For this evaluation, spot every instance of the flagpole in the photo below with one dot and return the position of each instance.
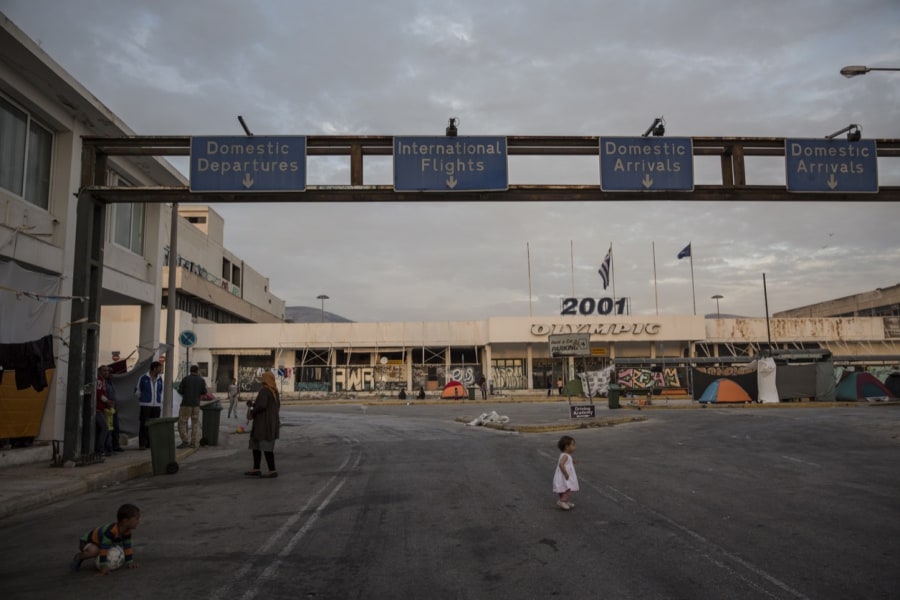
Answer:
(612, 272)
(572, 261)
(693, 293)
(528, 250)
(655, 288)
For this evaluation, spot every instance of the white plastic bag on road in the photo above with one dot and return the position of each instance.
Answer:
(491, 417)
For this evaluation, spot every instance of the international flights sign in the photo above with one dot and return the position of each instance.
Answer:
(447, 164)
(831, 166)
(646, 164)
(248, 164)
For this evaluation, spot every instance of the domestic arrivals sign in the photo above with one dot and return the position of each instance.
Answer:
(446, 164)
(248, 164)
(821, 165)
(646, 164)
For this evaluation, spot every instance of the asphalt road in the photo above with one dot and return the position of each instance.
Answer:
(403, 502)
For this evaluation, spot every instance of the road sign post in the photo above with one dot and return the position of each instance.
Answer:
(248, 164)
(831, 166)
(646, 164)
(446, 164)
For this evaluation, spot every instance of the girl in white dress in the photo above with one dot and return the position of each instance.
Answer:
(565, 481)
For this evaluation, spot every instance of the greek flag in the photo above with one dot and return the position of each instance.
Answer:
(604, 268)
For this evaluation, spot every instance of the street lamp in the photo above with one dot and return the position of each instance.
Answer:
(717, 297)
(323, 298)
(854, 70)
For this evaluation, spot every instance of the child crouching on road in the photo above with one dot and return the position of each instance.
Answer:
(98, 541)
(565, 481)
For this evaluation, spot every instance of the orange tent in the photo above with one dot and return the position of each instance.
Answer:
(725, 390)
(455, 390)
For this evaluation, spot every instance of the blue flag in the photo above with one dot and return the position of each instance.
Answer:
(685, 252)
(604, 268)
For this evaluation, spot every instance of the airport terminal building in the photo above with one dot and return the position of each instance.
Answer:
(513, 353)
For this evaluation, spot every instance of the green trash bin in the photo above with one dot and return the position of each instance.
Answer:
(211, 413)
(613, 395)
(162, 445)
(472, 393)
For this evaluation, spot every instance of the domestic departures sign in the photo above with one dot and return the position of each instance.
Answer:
(248, 164)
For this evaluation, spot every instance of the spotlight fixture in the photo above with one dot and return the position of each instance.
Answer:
(244, 125)
(853, 131)
(657, 128)
(451, 127)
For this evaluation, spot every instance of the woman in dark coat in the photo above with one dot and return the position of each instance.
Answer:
(264, 413)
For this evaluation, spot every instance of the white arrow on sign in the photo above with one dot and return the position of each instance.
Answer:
(451, 183)
(647, 181)
(832, 182)
(248, 181)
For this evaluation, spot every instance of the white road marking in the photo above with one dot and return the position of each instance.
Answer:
(240, 578)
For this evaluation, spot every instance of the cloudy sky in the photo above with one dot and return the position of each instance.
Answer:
(710, 67)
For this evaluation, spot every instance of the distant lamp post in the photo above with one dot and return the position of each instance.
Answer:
(717, 297)
(323, 298)
(854, 70)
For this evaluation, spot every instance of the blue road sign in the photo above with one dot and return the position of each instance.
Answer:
(444, 164)
(835, 166)
(248, 164)
(646, 164)
(187, 338)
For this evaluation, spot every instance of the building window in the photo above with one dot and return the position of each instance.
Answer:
(26, 148)
(196, 220)
(226, 269)
(128, 220)
(236, 275)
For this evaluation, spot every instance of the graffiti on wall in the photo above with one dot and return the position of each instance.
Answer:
(726, 371)
(248, 378)
(465, 374)
(646, 378)
(509, 378)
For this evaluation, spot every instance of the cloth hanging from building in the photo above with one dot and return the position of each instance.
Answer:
(30, 361)
(27, 315)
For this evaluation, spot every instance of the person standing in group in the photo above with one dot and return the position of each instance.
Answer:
(565, 481)
(191, 389)
(150, 394)
(102, 403)
(115, 432)
(266, 422)
(232, 398)
(559, 385)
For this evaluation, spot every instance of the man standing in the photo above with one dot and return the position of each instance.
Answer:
(191, 389)
(150, 391)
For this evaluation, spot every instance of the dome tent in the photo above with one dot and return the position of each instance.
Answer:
(455, 390)
(860, 386)
(724, 390)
